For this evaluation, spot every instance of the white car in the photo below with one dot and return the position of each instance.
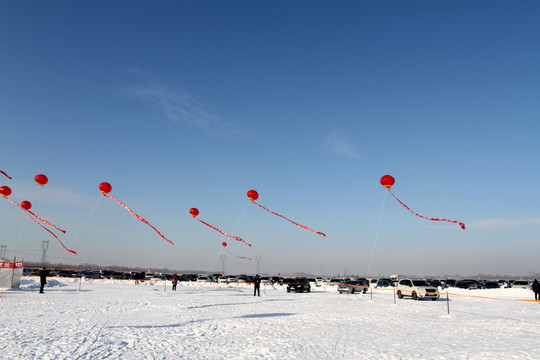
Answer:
(416, 289)
(353, 286)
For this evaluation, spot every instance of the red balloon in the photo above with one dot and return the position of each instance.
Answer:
(387, 181)
(41, 179)
(105, 187)
(194, 212)
(5, 191)
(26, 205)
(252, 195)
(224, 244)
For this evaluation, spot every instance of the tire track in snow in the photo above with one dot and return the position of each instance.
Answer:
(340, 347)
(89, 341)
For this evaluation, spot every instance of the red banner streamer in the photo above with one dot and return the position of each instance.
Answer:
(424, 217)
(239, 257)
(137, 216)
(60, 241)
(30, 215)
(237, 238)
(6, 175)
(289, 220)
(44, 221)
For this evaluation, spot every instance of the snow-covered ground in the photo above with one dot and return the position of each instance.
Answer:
(107, 319)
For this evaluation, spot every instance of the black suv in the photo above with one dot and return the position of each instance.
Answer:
(300, 284)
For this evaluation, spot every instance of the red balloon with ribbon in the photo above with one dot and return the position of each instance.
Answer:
(106, 188)
(254, 195)
(195, 212)
(26, 205)
(388, 181)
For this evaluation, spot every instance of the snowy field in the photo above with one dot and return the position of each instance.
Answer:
(107, 319)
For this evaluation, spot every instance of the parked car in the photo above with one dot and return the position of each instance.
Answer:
(106, 274)
(521, 284)
(381, 283)
(92, 274)
(449, 283)
(416, 289)
(148, 276)
(300, 284)
(353, 286)
(117, 275)
(188, 277)
(29, 271)
(466, 284)
(384, 282)
(137, 275)
(491, 285)
(287, 281)
(65, 273)
(479, 284)
(243, 279)
(364, 281)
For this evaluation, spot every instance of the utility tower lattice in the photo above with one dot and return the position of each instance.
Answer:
(223, 259)
(3, 251)
(45, 246)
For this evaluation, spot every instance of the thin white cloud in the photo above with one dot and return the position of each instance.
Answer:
(336, 144)
(181, 107)
(503, 223)
(52, 195)
(528, 242)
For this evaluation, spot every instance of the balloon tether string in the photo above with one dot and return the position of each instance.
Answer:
(376, 235)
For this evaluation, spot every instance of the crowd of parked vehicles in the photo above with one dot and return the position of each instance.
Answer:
(298, 284)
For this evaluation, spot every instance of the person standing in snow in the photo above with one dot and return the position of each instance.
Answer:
(536, 288)
(257, 283)
(43, 279)
(174, 282)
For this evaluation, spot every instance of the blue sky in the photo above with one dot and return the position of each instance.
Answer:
(191, 104)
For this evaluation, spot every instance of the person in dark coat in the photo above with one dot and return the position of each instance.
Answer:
(43, 278)
(536, 288)
(174, 282)
(257, 283)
